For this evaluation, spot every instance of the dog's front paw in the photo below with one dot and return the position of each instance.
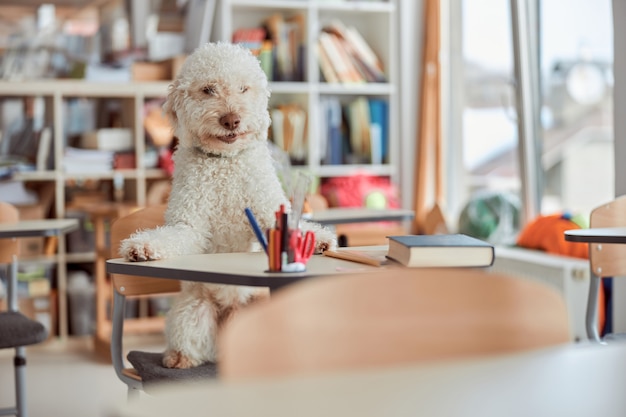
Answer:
(324, 246)
(175, 359)
(325, 240)
(137, 251)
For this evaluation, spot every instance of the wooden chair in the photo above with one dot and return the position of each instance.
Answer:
(605, 260)
(147, 369)
(16, 330)
(391, 318)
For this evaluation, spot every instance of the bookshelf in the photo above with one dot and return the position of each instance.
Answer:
(376, 21)
(132, 97)
(56, 94)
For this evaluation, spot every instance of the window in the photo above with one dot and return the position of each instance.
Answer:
(574, 55)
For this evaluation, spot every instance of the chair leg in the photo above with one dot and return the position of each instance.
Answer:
(133, 394)
(19, 363)
(592, 308)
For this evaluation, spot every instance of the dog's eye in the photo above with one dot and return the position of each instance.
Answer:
(244, 88)
(210, 90)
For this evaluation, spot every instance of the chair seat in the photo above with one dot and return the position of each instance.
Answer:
(150, 368)
(18, 330)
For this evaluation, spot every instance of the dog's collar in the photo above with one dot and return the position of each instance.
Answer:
(201, 151)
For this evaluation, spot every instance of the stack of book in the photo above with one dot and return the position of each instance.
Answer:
(88, 161)
(345, 57)
(33, 282)
(355, 132)
(279, 44)
(288, 131)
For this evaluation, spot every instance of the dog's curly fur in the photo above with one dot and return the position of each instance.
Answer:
(218, 106)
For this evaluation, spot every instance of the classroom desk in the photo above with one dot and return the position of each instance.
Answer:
(597, 235)
(332, 216)
(247, 268)
(569, 380)
(46, 228)
(37, 228)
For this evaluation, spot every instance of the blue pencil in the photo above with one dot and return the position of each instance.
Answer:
(257, 230)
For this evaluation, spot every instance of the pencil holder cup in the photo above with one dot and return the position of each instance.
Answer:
(290, 253)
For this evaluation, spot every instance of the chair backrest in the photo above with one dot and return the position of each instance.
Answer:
(123, 227)
(8, 247)
(392, 317)
(608, 260)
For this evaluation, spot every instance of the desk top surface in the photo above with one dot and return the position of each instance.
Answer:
(360, 215)
(597, 235)
(569, 380)
(247, 268)
(34, 228)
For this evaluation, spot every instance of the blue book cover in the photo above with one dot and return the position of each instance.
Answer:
(334, 151)
(379, 119)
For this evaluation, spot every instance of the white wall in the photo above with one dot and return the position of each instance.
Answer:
(619, 107)
(410, 52)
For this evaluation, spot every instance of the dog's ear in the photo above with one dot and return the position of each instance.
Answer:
(172, 102)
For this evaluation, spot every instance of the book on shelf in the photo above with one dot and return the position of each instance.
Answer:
(297, 41)
(355, 132)
(288, 130)
(266, 58)
(344, 68)
(442, 250)
(78, 160)
(359, 129)
(376, 143)
(326, 67)
(108, 139)
(333, 147)
(287, 36)
(379, 129)
(357, 50)
(33, 282)
(322, 142)
(36, 287)
(365, 52)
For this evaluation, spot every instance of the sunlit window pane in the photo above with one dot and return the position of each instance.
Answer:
(576, 83)
(576, 67)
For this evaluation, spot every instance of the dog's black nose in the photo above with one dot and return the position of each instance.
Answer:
(230, 121)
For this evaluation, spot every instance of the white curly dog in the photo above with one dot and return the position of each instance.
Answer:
(218, 106)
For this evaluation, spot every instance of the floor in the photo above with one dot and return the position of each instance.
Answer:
(66, 379)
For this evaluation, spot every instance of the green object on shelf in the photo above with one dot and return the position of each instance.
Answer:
(492, 216)
(376, 200)
(32, 274)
